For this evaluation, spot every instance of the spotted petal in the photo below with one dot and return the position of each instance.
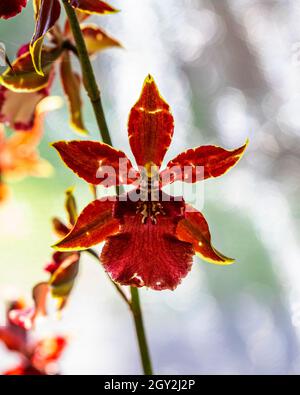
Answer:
(10, 8)
(93, 226)
(151, 126)
(95, 162)
(194, 229)
(145, 253)
(202, 163)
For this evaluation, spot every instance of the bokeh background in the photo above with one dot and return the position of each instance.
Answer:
(230, 70)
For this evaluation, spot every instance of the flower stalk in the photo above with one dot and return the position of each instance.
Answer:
(88, 74)
(140, 331)
(93, 92)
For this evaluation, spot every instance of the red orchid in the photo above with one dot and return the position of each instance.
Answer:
(37, 357)
(148, 242)
(22, 88)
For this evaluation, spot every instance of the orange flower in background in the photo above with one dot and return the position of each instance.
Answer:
(25, 83)
(19, 155)
(149, 242)
(38, 357)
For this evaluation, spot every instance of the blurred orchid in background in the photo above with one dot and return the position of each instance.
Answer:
(22, 87)
(37, 357)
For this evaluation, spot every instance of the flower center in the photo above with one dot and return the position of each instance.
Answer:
(150, 210)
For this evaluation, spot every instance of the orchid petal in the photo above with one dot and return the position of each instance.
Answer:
(24, 78)
(47, 15)
(92, 161)
(71, 83)
(10, 8)
(94, 225)
(97, 39)
(92, 6)
(18, 109)
(205, 162)
(147, 252)
(194, 229)
(150, 127)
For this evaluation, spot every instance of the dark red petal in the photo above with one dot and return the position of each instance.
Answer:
(92, 6)
(212, 162)
(23, 370)
(151, 126)
(12, 339)
(194, 229)
(10, 8)
(47, 15)
(148, 254)
(91, 161)
(93, 226)
(71, 83)
(17, 109)
(71, 207)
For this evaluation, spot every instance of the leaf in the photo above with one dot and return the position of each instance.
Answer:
(72, 84)
(47, 15)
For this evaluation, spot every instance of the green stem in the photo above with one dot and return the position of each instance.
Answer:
(88, 74)
(93, 92)
(140, 331)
